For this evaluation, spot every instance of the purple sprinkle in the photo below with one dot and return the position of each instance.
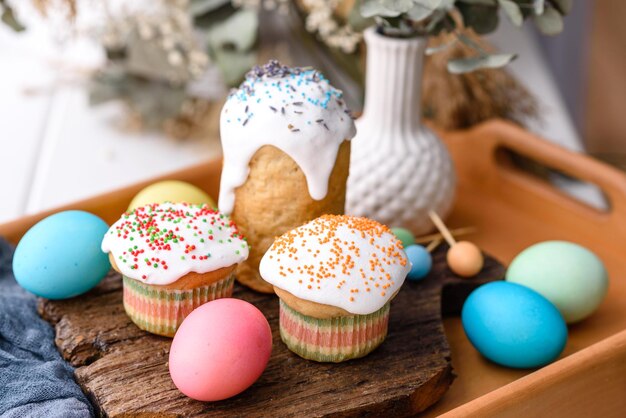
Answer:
(245, 121)
(295, 130)
(325, 126)
(274, 69)
(298, 112)
(297, 103)
(246, 111)
(273, 109)
(292, 88)
(282, 110)
(319, 120)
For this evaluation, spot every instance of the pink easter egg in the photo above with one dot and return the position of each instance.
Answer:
(220, 350)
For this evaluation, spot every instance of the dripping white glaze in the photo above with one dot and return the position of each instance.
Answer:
(295, 110)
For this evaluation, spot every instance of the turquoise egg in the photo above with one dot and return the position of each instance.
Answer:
(60, 256)
(568, 275)
(421, 262)
(404, 235)
(513, 325)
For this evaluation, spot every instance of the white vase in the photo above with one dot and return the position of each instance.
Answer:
(399, 169)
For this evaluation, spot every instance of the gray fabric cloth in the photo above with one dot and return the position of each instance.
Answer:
(34, 380)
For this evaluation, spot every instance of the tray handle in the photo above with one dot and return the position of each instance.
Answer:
(611, 181)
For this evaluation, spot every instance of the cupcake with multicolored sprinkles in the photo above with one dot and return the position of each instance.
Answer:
(335, 277)
(286, 138)
(173, 257)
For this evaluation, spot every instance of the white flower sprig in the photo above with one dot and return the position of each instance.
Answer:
(321, 20)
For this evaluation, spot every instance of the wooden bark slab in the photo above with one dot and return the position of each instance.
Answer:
(124, 370)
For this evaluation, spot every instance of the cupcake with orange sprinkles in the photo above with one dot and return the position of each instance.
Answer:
(173, 257)
(335, 277)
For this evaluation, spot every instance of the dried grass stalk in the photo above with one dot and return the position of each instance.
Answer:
(458, 101)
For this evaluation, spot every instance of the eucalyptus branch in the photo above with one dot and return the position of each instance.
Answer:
(409, 18)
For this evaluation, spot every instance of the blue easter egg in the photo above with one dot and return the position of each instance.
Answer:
(421, 260)
(60, 256)
(513, 325)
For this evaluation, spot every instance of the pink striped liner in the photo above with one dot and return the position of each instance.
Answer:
(332, 339)
(160, 311)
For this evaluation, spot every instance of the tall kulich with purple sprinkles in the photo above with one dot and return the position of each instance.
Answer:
(285, 135)
(173, 257)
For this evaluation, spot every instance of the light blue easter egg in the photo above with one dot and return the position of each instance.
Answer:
(421, 260)
(568, 275)
(513, 325)
(404, 235)
(60, 256)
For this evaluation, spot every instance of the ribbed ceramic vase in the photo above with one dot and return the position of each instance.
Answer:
(399, 169)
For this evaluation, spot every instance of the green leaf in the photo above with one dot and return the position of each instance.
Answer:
(435, 49)
(401, 6)
(201, 7)
(147, 58)
(9, 19)
(512, 11)
(466, 65)
(563, 6)
(550, 22)
(106, 85)
(238, 32)
(234, 65)
(446, 4)
(423, 8)
(356, 19)
(231, 44)
(372, 8)
(480, 17)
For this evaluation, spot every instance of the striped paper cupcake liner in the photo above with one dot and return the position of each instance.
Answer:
(333, 339)
(161, 311)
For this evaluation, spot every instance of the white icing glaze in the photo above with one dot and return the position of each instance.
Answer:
(187, 238)
(294, 110)
(353, 263)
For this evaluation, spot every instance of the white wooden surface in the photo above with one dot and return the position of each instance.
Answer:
(55, 149)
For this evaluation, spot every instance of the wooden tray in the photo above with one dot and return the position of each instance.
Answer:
(512, 209)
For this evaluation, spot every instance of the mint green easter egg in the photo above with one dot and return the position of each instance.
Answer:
(570, 276)
(404, 235)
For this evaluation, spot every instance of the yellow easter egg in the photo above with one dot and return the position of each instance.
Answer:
(170, 191)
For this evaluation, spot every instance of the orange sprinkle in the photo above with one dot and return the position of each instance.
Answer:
(341, 255)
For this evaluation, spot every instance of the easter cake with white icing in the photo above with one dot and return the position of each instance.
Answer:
(335, 277)
(285, 134)
(173, 258)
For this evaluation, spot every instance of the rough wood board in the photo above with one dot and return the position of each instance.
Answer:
(124, 370)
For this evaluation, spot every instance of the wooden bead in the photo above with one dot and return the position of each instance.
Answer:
(465, 259)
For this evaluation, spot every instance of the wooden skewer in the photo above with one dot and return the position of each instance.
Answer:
(434, 244)
(455, 233)
(464, 258)
(445, 232)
